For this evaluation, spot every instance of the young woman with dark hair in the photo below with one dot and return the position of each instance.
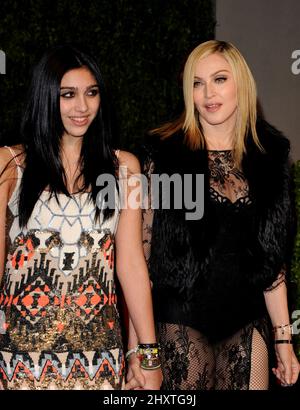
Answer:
(60, 322)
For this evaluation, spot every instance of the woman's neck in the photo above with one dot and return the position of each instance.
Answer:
(219, 137)
(71, 145)
(218, 142)
(70, 157)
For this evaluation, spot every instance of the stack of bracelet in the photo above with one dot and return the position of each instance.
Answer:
(148, 353)
(282, 330)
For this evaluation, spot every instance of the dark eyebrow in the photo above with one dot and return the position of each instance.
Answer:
(219, 71)
(74, 88)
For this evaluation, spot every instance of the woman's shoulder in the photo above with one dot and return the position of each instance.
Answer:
(129, 160)
(11, 156)
(10, 159)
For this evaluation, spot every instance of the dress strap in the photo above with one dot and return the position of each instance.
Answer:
(12, 203)
(14, 155)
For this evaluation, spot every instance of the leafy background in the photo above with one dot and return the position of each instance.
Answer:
(140, 45)
(295, 296)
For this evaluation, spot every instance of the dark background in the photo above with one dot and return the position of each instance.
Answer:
(140, 45)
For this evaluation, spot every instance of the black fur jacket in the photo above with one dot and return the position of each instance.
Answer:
(190, 286)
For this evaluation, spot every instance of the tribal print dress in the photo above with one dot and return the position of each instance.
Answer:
(60, 326)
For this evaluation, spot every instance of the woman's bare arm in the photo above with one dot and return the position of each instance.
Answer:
(132, 269)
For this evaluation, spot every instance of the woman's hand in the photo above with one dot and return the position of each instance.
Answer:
(140, 379)
(288, 367)
(153, 378)
(135, 378)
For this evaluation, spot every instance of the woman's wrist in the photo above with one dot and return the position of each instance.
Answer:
(148, 354)
(283, 333)
(130, 352)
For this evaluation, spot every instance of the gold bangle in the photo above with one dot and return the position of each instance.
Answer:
(151, 367)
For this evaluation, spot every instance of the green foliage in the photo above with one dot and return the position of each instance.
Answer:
(296, 256)
(140, 46)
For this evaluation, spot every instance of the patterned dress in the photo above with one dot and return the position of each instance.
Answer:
(60, 327)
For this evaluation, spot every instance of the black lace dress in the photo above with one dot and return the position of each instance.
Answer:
(190, 359)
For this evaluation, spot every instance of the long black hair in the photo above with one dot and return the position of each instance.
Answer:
(42, 129)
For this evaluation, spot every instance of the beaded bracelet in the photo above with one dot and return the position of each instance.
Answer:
(149, 356)
(130, 352)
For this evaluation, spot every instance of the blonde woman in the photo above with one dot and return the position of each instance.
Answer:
(219, 282)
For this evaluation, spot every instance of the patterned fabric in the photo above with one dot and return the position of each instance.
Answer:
(190, 359)
(61, 326)
(191, 362)
(227, 182)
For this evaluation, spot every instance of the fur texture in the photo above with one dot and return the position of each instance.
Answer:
(196, 279)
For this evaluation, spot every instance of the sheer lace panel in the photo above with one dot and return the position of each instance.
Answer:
(187, 358)
(242, 360)
(227, 182)
(147, 214)
(281, 279)
(190, 362)
(259, 375)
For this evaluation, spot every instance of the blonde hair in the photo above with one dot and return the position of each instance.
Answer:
(246, 99)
